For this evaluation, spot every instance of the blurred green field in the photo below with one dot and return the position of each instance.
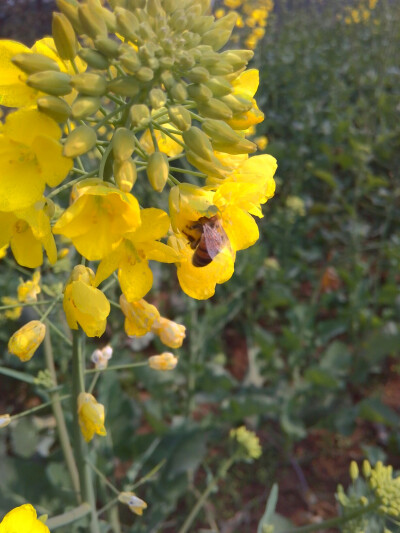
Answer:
(301, 345)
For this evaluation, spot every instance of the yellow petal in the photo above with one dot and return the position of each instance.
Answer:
(158, 251)
(26, 249)
(246, 84)
(26, 124)
(241, 228)
(13, 90)
(135, 279)
(155, 224)
(53, 165)
(90, 300)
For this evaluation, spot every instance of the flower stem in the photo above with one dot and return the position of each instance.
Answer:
(69, 517)
(117, 367)
(37, 408)
(80, 447)
(60, 419)
(203, 498)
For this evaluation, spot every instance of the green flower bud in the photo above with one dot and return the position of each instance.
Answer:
(79, 141)
(220, 131)
(71, 12)
(123, 144)
(237, 104)
(168, 79)
(51, 82)
(85, 106)
(216, 38)
(135, 4)
(180, 117)
(130, 61)
(139, 115)
(197, 141)
(243, 55)
(211, 168)
(157, 98)
(32, 63)
(199, 92)
(157, 170)
(49, 208)
(167, 62)
(186, 61)
(220, 68)
(234, 59)
(125, 174)
(127, 24)
(92, 23)
(93, 59)
(219, 86)
(146, 32)
(64, 36)
(203, 24)
(89, 83)
(178, 92)
(244, 146)
(125, 86)
(215, 109)
(366, 469)
(106, 46)
(109, 18)
(354, 472)
(198, 75)
(54, 107)
(145, 74)
(154, 8)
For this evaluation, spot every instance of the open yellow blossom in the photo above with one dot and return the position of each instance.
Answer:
(30, 158)
(24, 342)
(164, 361)
(98, 219)
(171, 334)
(23, 519)
(135, 504)
(28, 231)
(139, 316)
(84, 304)
(28, 290)
(91, 416)
(246, 86)
(133, 253)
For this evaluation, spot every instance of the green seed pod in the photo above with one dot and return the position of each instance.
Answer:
(198, 75)
(64, 36)
(220, 131)
(211, 168)
(125, 174)
(93, 59)
(85, 106)
(139, 115)
(79, 141)
(54, 107)
(89, 83)
(123, 144)
(31, 63)
(71, 12)
(180, 117)
(124, 86)
(219, 86)
(197, 141)
(178, 92)
(243, 146)
(92, 23)
(199, 92)
(157, 98)
(50, 82)
(145, 74)
(130, 61)
(106, 46)
(157, 170)
(237, 104)
(127, 24)
(215, 109)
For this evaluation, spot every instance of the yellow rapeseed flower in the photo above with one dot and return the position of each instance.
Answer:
(15, 312)
(23, 519)
(246, 86)
(171, 334)
(164, 361)
(4, 420)
(91, 416)
(84, 304)
(164, 143)
(135, 504)
(24, 342)
(28, 290)
(139, 316)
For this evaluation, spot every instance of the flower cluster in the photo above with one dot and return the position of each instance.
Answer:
(252, 19)
(360, 12)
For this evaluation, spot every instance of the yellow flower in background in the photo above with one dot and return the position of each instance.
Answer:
(23, 519)
(248, 441)
(15, 312)
(261, 142)
(98, 219)
(135, 504)
(30, 158)
(164, 361)
(91, 416)
(4, 420)
(28, 290)
(28, 231)
(84, 305)
(133, 253)
(171, 334)
(24, 342)
(3, 251)
(139, 316)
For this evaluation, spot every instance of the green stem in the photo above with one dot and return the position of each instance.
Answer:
(104, 160)
(80, 447)
(37, 408)
(168, 133)
(60, 419)
(201, 501)
(117, 367)
(103, 478)
(25, 304)
(339, 520)
(186, 171)
(69, 517)
(71, 183)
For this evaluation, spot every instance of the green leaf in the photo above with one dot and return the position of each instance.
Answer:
(24, 437)
(16, 374)
(374, 410)
(269, 508)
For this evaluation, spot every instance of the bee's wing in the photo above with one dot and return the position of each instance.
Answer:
(215, 239)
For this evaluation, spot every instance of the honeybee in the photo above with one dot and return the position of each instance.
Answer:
(207, 238)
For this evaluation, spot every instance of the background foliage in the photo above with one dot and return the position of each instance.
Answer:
(301, 344)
